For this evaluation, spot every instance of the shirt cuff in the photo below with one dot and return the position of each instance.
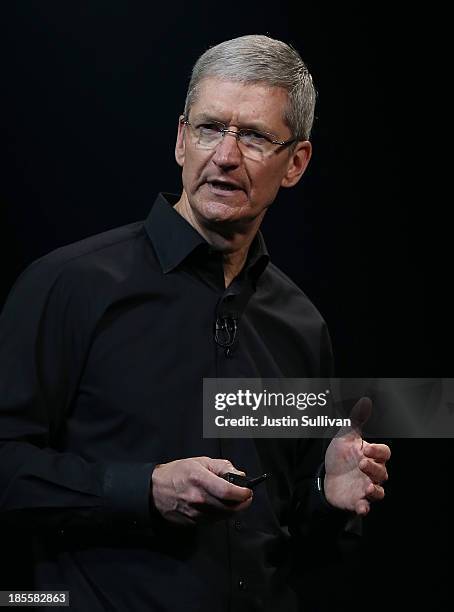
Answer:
(348, 520)
(322, 507)
(126, 492)
(320, 489)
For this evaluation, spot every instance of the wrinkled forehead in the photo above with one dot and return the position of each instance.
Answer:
(246, 103)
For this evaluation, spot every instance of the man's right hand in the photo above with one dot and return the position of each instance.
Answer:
(189, 491)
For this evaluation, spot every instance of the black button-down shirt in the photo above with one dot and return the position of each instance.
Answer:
(104, 345)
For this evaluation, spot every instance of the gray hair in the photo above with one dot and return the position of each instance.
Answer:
(260, 59)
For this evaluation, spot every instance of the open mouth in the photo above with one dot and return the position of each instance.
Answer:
(223, 187)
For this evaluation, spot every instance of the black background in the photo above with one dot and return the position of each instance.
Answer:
(92, 93)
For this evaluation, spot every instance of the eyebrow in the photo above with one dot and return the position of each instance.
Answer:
(253, 125)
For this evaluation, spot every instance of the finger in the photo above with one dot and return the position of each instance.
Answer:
(212, 508)
(227, 506)
(362, 507)
(376, 471)
(375, 492)
(205, 502)
(379, 452)
(242, 505)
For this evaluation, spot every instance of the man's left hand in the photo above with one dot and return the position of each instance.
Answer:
(355, 470)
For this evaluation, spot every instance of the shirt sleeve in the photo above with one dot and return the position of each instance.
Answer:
(44, 337)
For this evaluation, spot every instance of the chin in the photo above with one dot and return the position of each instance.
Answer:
(216, 211)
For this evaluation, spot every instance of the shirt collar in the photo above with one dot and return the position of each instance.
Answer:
(174, 238)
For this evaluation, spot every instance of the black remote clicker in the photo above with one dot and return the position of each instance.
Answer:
(244, 481)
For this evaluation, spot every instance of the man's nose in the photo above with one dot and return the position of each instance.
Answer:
(227, 152)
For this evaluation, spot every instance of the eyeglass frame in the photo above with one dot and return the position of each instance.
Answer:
(225, 130)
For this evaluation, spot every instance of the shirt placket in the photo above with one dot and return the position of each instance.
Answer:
(241, 452)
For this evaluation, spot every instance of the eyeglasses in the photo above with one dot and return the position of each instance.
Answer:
(252, 144)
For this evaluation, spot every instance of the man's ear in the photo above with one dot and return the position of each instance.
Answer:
(297, 163)
(179, 146)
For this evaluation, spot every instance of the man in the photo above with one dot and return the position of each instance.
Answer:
(104, 347)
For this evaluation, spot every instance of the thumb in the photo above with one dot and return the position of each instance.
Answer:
(361, 413)
(222, 466)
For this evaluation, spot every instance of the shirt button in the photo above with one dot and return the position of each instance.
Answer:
(238, 525)
(242, 584)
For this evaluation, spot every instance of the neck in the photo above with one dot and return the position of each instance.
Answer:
(233, 240)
